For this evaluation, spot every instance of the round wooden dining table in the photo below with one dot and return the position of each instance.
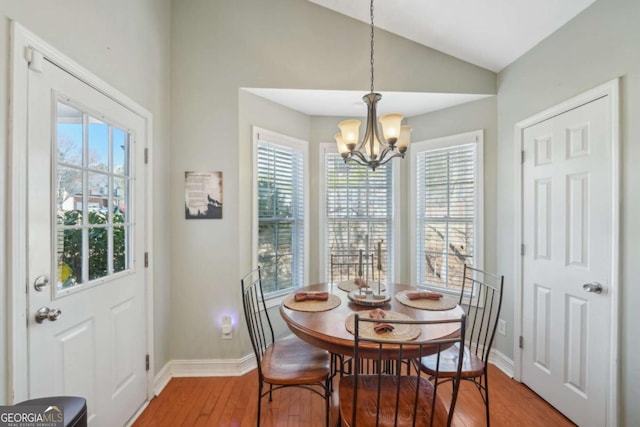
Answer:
(327, 329)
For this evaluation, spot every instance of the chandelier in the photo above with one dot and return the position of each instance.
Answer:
(376, 148)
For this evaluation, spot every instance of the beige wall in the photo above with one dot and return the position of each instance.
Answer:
(126, 44)
(219, 47)
(598, 45)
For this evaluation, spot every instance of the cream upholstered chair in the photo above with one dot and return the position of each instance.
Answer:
(288, 362)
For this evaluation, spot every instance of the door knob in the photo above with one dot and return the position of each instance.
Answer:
(593, 287)
(46, 313)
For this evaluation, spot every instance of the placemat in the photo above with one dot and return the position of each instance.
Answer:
(401, 332)
(311, 305)
(445, 303)
(349, 285)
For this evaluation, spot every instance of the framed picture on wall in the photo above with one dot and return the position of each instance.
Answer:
(203, 195)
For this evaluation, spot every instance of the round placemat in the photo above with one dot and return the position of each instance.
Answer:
(445, 303)
(349, 285)
(400, 331)
(311, 305)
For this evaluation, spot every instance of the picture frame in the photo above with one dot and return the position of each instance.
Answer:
(203, 194)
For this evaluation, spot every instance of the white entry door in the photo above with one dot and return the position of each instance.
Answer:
(86, 293)
(567, 232)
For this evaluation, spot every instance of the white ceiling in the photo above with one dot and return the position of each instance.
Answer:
(488, 33)
(350, 104)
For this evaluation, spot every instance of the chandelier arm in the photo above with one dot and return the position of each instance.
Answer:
(357, 155)
(355, 160)
(391, 151)
(382, 162)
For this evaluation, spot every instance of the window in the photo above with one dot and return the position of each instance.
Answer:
(447, 174)
(93, 177)
(356, 203)
(280, 193)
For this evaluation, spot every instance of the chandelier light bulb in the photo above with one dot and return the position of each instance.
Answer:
(342, 147)
(403, 139)
(350, 130)
(391, 127)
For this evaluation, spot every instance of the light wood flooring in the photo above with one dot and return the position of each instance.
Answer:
(232, 401)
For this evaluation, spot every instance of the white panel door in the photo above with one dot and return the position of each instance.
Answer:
(87, 330)
(567, 208)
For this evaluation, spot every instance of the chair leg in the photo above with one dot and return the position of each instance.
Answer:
(270, 392)
(327, 398)
(486, 394)
(454, 398)
(259, 403)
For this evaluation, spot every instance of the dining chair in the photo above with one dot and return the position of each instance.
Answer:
(481, 299)
(288, 362)
(346, 266)
(391, 395)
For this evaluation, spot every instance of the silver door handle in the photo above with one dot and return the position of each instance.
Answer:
(593, 287)
(46, 313)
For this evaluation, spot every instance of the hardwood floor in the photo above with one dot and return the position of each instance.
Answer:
(232, 401)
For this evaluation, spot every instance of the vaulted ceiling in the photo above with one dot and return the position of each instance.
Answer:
(488, 33)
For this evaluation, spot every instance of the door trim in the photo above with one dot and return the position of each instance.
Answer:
(21, 40)
(611, 91)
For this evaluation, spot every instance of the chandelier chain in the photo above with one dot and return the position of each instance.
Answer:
(379, 145)
(371, 13)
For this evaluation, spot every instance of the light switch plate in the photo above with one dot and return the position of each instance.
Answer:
(502, 327)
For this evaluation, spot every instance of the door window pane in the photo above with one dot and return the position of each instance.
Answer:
(98, 145)
(69, 135)
(69, 252)
(93, 227)
(98, 252)
(120, 239)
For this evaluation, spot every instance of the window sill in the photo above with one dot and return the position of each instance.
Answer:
(274, 301)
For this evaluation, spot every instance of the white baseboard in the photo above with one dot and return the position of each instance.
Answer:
(501, 362)
(162, 379)
(203, 368)
(237, 367)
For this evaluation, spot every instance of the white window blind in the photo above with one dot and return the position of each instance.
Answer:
(280, 185)
(359, 203)
(446, 183)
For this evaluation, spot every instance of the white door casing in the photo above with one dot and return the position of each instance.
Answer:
(92, 318)
(569, 223)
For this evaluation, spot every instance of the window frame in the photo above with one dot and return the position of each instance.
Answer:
(328, 147)
(271, 137)
(473, 137)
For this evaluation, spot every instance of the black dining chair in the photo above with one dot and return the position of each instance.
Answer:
(288, 362)
(390, 394)
(481, 298)
(346, 266)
